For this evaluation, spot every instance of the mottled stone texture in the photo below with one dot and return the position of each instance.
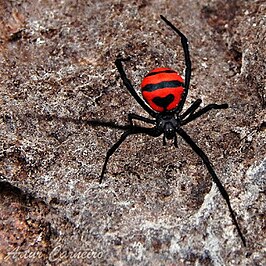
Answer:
(157, 205)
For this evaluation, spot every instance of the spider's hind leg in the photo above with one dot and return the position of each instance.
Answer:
(129, 86)
(193, 115)
(140, 118)
(193, 107)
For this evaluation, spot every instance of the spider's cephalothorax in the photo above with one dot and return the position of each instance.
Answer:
(167, 124)
(165, 92)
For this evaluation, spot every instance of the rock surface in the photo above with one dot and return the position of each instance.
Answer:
(157, 204)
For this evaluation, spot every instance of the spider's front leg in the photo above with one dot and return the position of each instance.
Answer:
(112, 150)
(133, 130)
(215, 178)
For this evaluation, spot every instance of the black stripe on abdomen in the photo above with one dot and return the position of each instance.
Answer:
(162, 85)
(160, 72)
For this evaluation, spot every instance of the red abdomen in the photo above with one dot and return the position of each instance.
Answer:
(162, 89)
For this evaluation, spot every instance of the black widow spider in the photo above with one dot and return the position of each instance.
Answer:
(168, 122)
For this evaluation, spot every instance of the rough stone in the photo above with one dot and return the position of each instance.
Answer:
(157, 204)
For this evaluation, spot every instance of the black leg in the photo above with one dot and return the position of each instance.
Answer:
(140, 118)
(112, 150)
(184, 42)
(195, 105)
(96, 123)
(133, 130)
(175, 141)
(129, 86)
(204, 110)
(216, 180)
(164, 140)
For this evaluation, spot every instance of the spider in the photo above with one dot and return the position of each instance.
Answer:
(165, 92)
